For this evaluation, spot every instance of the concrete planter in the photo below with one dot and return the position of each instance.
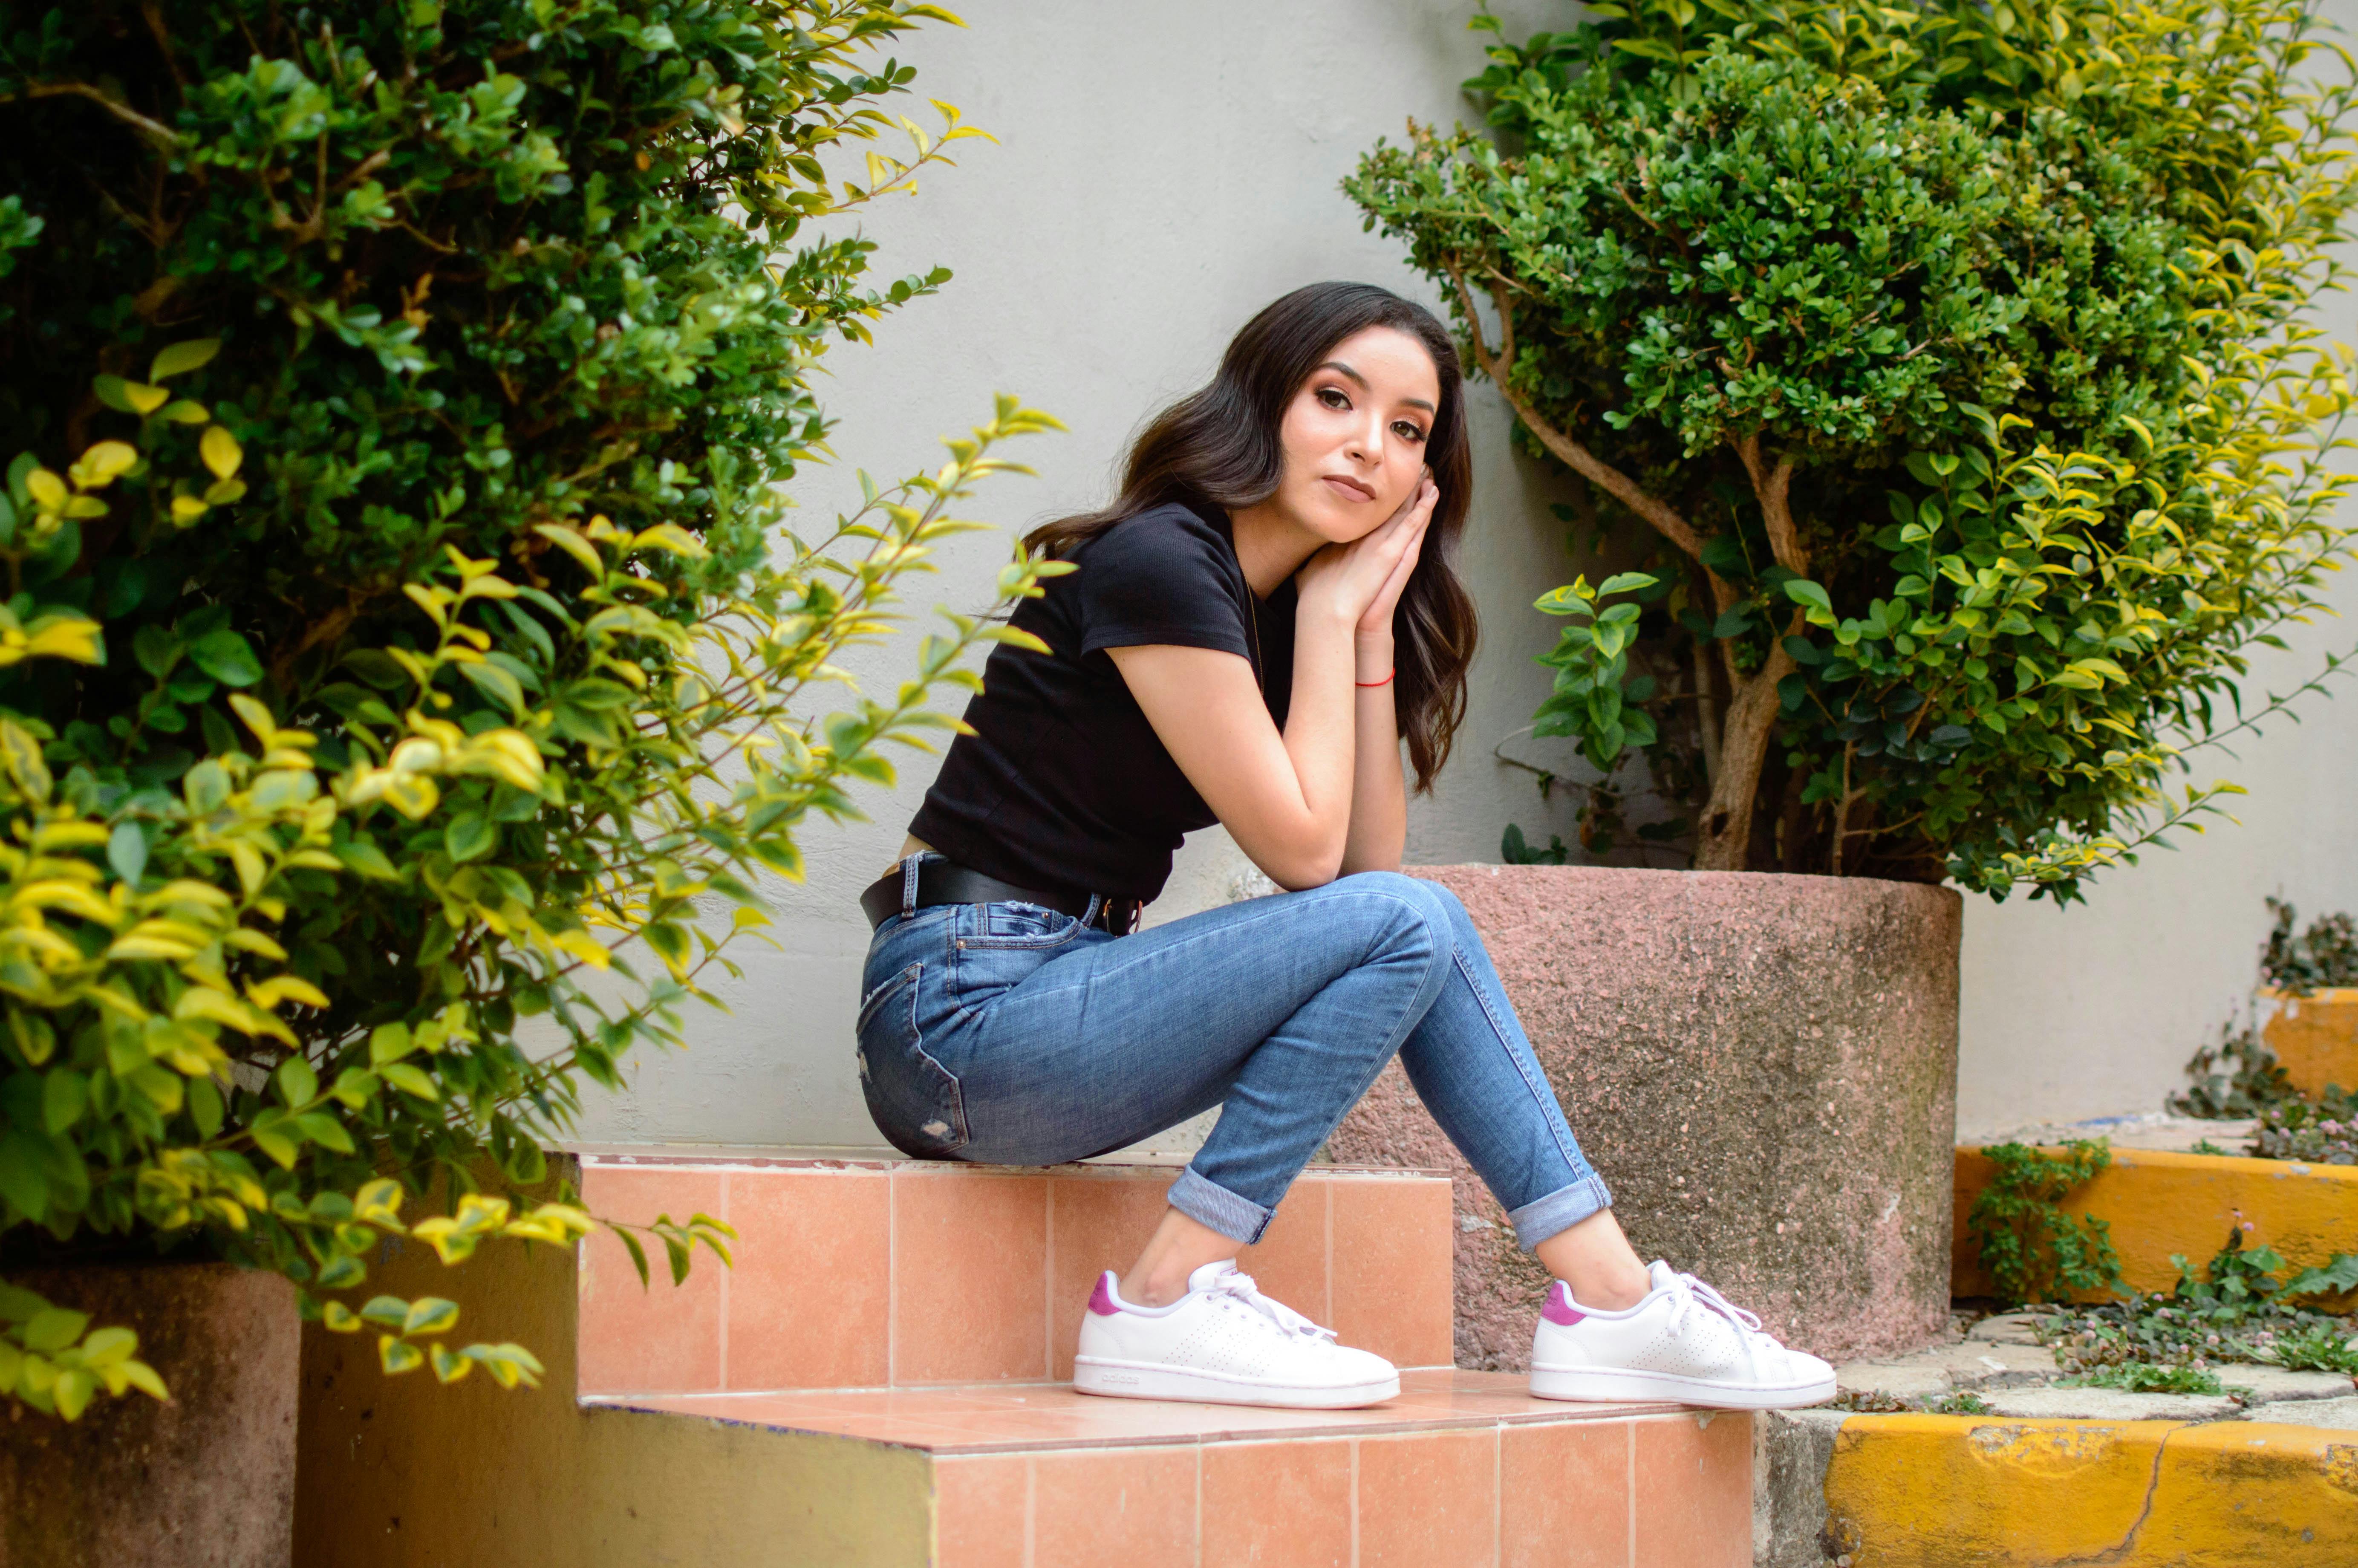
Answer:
(207, 1481)
(2315, 1037)
(1762, 1067)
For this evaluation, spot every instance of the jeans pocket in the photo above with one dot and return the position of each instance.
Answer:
(1014, 923)
(912, 1099)
(996, 946)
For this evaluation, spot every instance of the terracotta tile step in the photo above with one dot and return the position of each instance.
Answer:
(867, 1273)
(1464, 1468)
(1001, 1472)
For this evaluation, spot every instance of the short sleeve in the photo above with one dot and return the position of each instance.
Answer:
(1164, 576)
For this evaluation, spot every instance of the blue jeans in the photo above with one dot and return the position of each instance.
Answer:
(1010, 1034)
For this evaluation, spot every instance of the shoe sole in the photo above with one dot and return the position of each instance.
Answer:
(1149, 1380)
(1617, 1384)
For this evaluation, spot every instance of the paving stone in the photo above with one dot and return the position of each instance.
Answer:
(2341, 1415)
(2107, 1404)
(2271, 1385)
(1978, 1364)
(2005, 1328)
(1899, 1379)
(1928, 1374)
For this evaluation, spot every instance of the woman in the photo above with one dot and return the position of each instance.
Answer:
(1252, 629)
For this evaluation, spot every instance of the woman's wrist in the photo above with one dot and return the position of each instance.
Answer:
(1372, 659)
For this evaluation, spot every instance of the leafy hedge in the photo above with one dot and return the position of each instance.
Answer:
(406, 628)
(1949, 363)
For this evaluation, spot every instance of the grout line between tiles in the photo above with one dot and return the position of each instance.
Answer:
(724, 1288)
(1629, 1431)
(1497, 1494)
(1031, 1507)
(1329, 1190)
(892, 1278)
(1199, 1506)
(1048, 1285)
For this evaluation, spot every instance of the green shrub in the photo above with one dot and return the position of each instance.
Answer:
(1948, 363)
(2239, 1309)
(2147, 1377)
(2033, 1250)
(2324, 955)
(406, 636)
(2239, 1076)
(2324, 1131)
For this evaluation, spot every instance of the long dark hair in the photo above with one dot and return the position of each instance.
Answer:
(1220, 446)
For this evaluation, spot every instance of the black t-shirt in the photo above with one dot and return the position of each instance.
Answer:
(1063, 785)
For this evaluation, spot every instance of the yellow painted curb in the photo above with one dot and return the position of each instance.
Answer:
(2162, 1203)
(1936, 1491)
(2315, 1037)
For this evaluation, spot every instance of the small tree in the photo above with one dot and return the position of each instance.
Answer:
(403, 627)
(1951, 359)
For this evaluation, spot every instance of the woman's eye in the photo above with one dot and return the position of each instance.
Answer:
(1332, 396)
(1407, 431)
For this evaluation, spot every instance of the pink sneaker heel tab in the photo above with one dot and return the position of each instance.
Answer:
(1559, 1309)
(1101, 1300)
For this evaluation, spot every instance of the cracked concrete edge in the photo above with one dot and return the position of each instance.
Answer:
(1791, 1452)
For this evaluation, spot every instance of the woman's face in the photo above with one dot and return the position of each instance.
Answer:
(1354, 435)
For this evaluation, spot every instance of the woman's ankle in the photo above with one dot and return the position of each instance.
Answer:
(1140, 1288)
(1180, 1246)
(1609, 1289)
(1596, 1259)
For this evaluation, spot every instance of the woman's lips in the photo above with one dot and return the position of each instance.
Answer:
(1349, 487)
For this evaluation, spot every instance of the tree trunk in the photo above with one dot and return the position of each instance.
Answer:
(1724, 840)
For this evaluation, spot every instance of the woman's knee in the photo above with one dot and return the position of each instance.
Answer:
(1426, 912)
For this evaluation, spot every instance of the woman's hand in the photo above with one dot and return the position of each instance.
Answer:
(1362, 581)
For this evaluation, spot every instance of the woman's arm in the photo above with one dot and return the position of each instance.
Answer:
(1326, 796)
(1379, 830)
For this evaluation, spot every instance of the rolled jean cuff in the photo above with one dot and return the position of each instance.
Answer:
(1558, 1211)
(1208, 1203)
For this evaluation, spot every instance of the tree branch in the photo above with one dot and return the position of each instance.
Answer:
(1770, 484)
(1663, 517)
(123, 112)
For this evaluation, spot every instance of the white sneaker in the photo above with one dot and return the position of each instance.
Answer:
(1683, 1342)
(1222, 1343)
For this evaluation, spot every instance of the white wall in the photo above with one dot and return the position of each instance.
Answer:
(1162, 171)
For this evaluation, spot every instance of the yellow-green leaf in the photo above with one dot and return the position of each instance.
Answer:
(179, 359)
(102, 464)
(221, 451)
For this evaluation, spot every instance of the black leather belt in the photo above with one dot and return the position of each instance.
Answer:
(946, 881)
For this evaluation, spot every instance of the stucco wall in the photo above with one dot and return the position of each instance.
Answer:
(1161, 172)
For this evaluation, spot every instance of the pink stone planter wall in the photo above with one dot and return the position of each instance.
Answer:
(1762, 1067)
(207, 1481)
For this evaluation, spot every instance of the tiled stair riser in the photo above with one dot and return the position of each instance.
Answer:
(1563, 1494)
(894, 1334)
(929, 1274)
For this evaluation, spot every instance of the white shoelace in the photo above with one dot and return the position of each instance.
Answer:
(1238, 1286)
(1695, 1295)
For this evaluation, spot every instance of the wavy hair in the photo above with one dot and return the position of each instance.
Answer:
(1221, 445)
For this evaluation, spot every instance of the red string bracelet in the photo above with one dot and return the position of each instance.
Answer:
(1386, 681)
